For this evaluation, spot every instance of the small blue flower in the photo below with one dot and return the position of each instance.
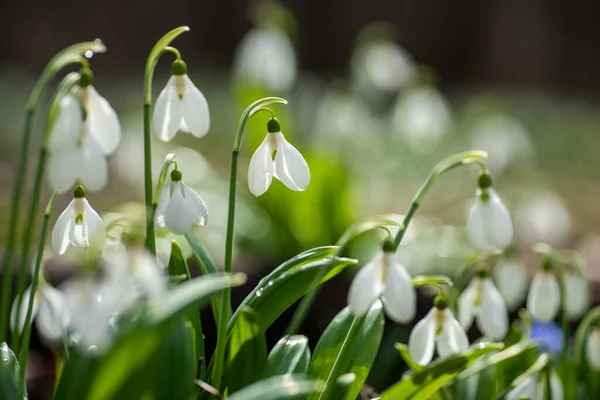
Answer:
(548, 334)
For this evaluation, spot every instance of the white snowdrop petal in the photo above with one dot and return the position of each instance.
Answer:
(492, 319)
(592, 349)
(63, 168)
(476, 227)
(163, 203)
(96, 234)
(53, 318)
(499, 227)
(167, 112)
(23, 310)
(290, 166)
(103, 122)
(178, 216)
(67, 125)
(62, 229)
(194, 109)
(511, 279)
(93, 171)
(260, 170)
(196, 205)
(526, 389)
(366, 286)
(577, 299)
(399, 296)
(421, 342)
(452, 339)
(556, 388)
(466, 304)
(544, 296)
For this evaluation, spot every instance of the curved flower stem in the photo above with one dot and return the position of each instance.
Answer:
(159, 49)
(225, 307)
(24, 348)
(62, 90)
(70, 55)
(581, 336)
(469, 157)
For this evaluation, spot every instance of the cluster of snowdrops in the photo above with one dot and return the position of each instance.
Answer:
(127, 313)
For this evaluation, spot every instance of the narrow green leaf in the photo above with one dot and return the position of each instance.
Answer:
(9, 374)
(177, 264)
(498, 358)
(247, 351)
(175, 362)
(290, 355)
(403, 350)
(423, 384)
(362, 351)
(534, 369)
(8, 386)
(343, 385)
(280, 289)
(279, 387)
(194, 293)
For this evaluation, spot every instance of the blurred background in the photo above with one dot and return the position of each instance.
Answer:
(378, 93)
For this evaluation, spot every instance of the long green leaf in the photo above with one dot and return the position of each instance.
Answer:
(279, 387)
(280, 289)
(175, 362)
(361, 354)
(425, 383)
(9, 374)
(247, 351)
(290, 355)
(534, 369)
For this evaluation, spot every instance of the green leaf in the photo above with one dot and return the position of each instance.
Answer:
(362, 350)
(481, 385)
(9, 374)
(535, 368)
(178, 266)
(291, 354)
(279, 387)
(430, 280)
(425, 383)
(288, 283)
(194, 293)
(247, 351)
(403, 350)
(343, 386)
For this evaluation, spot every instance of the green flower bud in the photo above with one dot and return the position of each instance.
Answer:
(440, 302)
(179, 68)
(483, 273)
(485, 180)
(176, 175)
(388, 245)
(79, 192)
(87, 77)
(273, 126)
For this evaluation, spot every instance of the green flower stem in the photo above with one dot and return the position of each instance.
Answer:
(469, 157)
(62, 90)
(70, 55)
(225, 307)
(24, 348)
(159, 49)
(341, 359)
(581, 336)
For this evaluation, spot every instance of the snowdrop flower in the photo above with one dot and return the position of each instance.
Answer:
(79, 225)
(483, 301)
(179, 206)
(543, 300)
(438, 327)
(488, 225)
(577, 295)
(276, 157)
(592, 348)
(135, 269)
(512, 281)
(48, 310)
(85, 131)
(384, 277)
(534, 388)
(180, 107)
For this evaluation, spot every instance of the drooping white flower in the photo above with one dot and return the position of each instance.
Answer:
(49, 311)
(439, 327)
(179, 206)
(79, 225)
(85, 131)
(534, 388)
(384, 277)
(483, 301)
(512, 280)
(577, 295)
(489, 225)
(135, 269)
(276, 157)
(543, 300)
(592, 348)
(180, 107)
